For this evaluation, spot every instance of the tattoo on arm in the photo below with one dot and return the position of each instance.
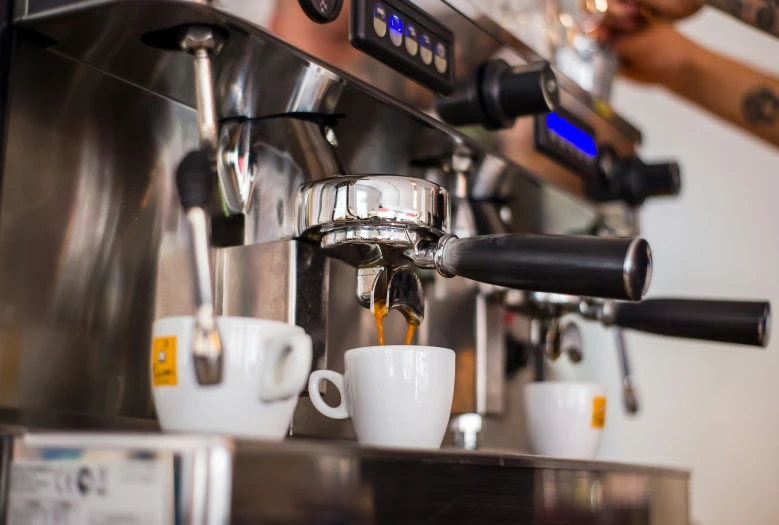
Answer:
(760, 106)
(761, 14)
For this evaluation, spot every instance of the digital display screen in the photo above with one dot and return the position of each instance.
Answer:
(571, 134)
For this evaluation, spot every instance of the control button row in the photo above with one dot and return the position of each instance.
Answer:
(414, 44)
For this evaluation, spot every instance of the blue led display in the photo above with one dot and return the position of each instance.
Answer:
(571, 134)
(396, 24)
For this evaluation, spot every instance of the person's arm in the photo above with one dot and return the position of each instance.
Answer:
(761, 14)
(627, 14)
(740, 94)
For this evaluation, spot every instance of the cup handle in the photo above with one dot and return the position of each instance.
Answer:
(287, 363)
(339, 412)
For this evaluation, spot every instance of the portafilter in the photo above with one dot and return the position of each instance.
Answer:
(389, 221)
(734, 322)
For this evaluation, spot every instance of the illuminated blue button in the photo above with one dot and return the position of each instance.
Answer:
(380, 20)
(426, 49)
(396, 30)
(412, 43)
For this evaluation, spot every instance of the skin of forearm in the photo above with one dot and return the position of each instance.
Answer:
(762, 14)
(737, 93)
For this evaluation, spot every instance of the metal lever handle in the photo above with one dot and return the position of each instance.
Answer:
(194, 178)
(203, 41)
(585, 266)
(738, 322)
(629, 395)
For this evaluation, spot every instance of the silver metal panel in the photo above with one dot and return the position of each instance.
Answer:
(327, 78)
(285, 281)
(447, 300)
(88, 178)
(262, 167)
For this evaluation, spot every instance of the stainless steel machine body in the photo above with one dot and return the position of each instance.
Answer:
(109, 253)
(102, 110)
(114, 102)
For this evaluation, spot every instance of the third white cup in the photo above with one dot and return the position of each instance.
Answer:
(565, 419)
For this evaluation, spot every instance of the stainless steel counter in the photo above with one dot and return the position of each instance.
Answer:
(191, 480)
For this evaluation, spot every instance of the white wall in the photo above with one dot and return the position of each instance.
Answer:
(710, 408)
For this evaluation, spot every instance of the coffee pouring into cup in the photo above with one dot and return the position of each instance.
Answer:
(396, 395)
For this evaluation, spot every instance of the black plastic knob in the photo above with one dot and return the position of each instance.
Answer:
(632, 181)
(497, 94)
(322, 11)
(638, 181)
(195, 179)
(660, 180)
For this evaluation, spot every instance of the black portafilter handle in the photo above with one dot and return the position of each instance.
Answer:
(195, 179)
(498, 93)
(737, 322)
(617, 268)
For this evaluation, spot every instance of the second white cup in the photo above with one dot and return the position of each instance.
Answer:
(265, 367)
(397, 396)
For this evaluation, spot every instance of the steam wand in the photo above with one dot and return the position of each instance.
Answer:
(195, 179)
(629, 395)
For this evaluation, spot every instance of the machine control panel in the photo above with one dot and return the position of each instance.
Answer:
(567, 140)
(407, 39)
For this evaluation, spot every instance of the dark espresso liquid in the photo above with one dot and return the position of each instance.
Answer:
(410, 332)
(380, 312)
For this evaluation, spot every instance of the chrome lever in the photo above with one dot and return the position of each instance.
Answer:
(202, 42)
(629, 395)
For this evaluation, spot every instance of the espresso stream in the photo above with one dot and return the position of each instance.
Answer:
(380, 311)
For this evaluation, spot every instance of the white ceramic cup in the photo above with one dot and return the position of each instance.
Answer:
(266, 364)
(397, 396)
(565, 419)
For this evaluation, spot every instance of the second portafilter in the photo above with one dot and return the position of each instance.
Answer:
(733, 322)
(378, 223)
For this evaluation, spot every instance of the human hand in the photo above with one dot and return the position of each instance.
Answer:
(628, 15)
(657, 54)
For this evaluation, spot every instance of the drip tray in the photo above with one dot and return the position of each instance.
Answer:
(151, 479)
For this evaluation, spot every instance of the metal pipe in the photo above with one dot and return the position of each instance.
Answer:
(204, 100)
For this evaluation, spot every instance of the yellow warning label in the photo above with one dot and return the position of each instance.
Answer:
(598, 412)
(163, 360)
(602, 108)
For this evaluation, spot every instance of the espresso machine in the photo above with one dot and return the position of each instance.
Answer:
(323, 166)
